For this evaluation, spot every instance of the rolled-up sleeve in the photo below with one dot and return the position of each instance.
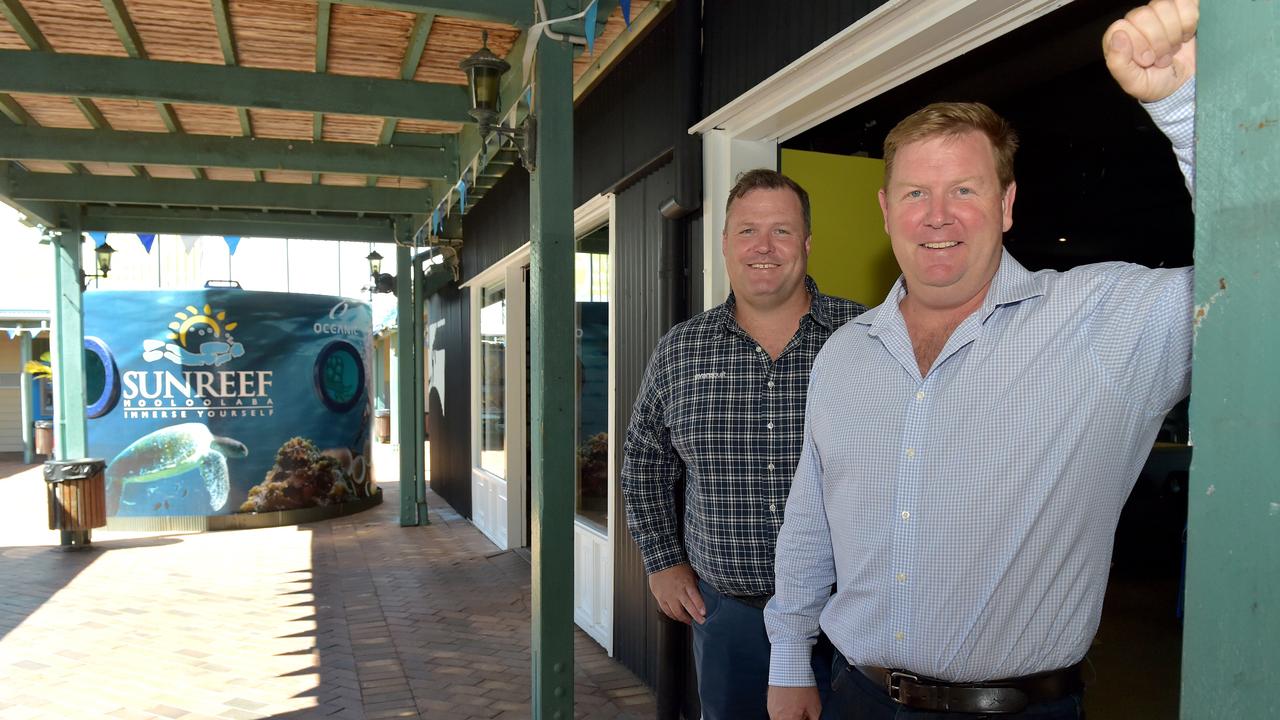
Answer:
(650, 468)
(804, 568)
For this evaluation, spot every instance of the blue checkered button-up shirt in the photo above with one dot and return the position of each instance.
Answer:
(715, 411)
(965, 519)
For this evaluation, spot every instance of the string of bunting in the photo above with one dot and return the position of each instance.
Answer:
(148, 241)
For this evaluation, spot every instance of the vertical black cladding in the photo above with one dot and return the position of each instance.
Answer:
(449, 397)
(746, 41)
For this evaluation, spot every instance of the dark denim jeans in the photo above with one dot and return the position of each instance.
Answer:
(731, 650)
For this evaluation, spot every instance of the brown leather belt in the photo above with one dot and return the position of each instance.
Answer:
(998, 697)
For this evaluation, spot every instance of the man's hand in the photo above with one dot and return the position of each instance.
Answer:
(1152, 51)
(794, 703)
(676, 590)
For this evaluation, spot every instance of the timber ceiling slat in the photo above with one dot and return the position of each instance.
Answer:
(9, 38)
(110, 169)
(209, 119)
(76, 26)
(351, 128)
(452, 40)
(178, 30)
(368, 43)
(401, 182)
(47, 166)
(275, 34)
(53, 111)
(17, 30)
(134, 115)
(233, 174)
(171, 172)
(287, 177)
(281, 124)
(427, 126)
(344, 180)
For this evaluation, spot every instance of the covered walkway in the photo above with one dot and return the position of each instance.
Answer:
(349, 618)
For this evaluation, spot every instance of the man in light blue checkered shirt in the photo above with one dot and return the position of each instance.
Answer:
(970, 442)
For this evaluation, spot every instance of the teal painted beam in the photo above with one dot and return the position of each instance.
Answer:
(125, 30)
(511, 12)
(66, 347)
(214, 193)
(188, 221)
(1232, 623)
(419, 390)
(178, 82)
(406, 357)
(552, 383)
(23, 142)
(222, 20)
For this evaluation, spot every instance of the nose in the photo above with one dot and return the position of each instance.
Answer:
(939, 214)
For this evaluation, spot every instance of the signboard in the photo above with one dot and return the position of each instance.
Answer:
(218, 401)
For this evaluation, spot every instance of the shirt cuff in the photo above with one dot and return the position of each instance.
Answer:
(789, 664)
(1175, 113)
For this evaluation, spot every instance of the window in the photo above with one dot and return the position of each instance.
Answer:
(591, 296)
(493, 354)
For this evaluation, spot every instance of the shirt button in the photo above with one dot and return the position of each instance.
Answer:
(769, 467)
(899, 635)
(773, 507)
(770, 426)
(770, 383)
(906, 515)
(759, 349)
(902, 577)
(911, 452)
(919, 394)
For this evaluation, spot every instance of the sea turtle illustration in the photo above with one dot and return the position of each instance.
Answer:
(172, 451)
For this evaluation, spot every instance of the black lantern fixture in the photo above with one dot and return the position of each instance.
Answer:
(382, 282)
(103, 255)
(484, 78)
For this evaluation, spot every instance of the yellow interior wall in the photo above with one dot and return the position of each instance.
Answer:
(850, 254)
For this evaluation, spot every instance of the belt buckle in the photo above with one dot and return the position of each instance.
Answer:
(895, 684)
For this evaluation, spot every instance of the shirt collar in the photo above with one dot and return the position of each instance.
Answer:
(1012, 284)
(818, 307)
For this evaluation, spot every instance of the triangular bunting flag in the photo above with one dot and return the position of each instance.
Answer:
(98, 238)
(232, 242)
(12, 332)
(435, 221)
(147, 239)
(189, 242)
(626, 12)
(35, 331)
(592, 10)
(462, 195)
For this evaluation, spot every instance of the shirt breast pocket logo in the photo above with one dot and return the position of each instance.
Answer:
(714, 375)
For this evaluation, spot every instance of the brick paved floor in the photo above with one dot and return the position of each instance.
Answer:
(349, 618)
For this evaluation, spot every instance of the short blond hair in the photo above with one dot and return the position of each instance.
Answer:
(952, 119)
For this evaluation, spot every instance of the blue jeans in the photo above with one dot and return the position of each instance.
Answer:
(855, 697)
(731, 650)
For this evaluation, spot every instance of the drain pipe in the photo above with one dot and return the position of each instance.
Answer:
(673, 647)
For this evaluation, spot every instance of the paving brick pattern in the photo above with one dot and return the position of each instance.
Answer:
(349, 618)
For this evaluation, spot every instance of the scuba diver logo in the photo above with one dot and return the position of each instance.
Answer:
(198, 337)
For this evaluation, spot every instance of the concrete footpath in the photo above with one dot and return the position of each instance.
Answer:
(348, 618)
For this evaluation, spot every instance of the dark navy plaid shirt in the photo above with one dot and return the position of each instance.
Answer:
(716, 411)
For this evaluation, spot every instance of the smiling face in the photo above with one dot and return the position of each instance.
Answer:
(946, 213)
(766, 248)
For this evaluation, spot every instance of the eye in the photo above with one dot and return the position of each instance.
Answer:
(914, 194)
(964, 191)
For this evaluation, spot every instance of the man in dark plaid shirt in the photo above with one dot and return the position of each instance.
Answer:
(721, 409)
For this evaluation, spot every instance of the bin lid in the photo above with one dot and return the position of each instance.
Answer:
(56, 471)
(44, 424)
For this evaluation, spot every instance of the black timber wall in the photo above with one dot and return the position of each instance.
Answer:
(746, 41)
(449, 418)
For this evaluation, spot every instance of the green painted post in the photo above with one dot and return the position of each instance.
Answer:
(419, 399)
(406, 406)
(24, 393)
(551, 382)
(66, 346)
(1230, 659)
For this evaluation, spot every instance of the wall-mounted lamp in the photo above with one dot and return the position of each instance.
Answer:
(382, 282)
(484, 78)
(103, 255)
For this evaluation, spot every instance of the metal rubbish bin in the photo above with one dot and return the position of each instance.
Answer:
(382, 425)
(77, 498)
(44, 437)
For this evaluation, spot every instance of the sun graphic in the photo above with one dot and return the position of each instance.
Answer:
(206, 324)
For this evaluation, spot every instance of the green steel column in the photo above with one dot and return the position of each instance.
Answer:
(66, 345)
(1231, 641)
(405, 404)
(551, 376)
(24, 393)
(419, 398)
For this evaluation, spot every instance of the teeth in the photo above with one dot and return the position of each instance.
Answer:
(762, 266)
(940, 245)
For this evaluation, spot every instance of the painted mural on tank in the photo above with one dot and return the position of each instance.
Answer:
(218, 401)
